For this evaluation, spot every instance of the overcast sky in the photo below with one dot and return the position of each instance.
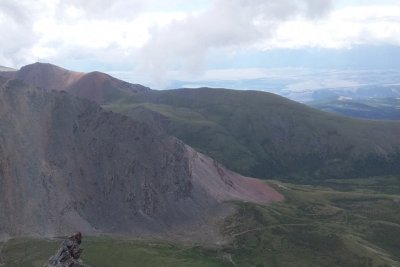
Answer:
(157, 41)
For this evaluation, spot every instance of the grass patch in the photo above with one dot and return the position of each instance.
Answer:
(107, 252)
(317, 226)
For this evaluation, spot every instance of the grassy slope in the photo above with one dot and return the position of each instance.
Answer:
(319, 227)
(264, 135)
(314, 226)
(102, 252)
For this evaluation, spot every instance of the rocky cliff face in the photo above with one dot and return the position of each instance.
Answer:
(95, 86)
(67, 165)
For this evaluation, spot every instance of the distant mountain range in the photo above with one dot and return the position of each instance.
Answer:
(367, 108)
(369, 93)
(359, 92)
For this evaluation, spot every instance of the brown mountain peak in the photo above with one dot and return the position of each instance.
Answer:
(95, 86)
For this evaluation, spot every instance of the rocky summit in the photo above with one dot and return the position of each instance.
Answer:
(95, 86)
(67, 165)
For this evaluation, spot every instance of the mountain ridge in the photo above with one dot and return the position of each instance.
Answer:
(267, 136)
(95, 86)
(255, 133)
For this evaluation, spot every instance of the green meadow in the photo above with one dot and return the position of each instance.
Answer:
(356, 224)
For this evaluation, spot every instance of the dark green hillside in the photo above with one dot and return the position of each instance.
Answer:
(264, 135)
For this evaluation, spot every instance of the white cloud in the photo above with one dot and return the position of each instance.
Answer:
(16, 20)
(343, 28)
(104, 9)
(177, 36)
(227, 24)
(109, 42)
(56, 31)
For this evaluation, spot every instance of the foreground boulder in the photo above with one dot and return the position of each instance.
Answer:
(68, 253)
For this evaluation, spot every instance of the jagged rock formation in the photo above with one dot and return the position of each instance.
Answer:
(95, 86)
(67, 165)
(68, 254)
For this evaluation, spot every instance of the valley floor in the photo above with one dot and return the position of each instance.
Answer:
(340, 223)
